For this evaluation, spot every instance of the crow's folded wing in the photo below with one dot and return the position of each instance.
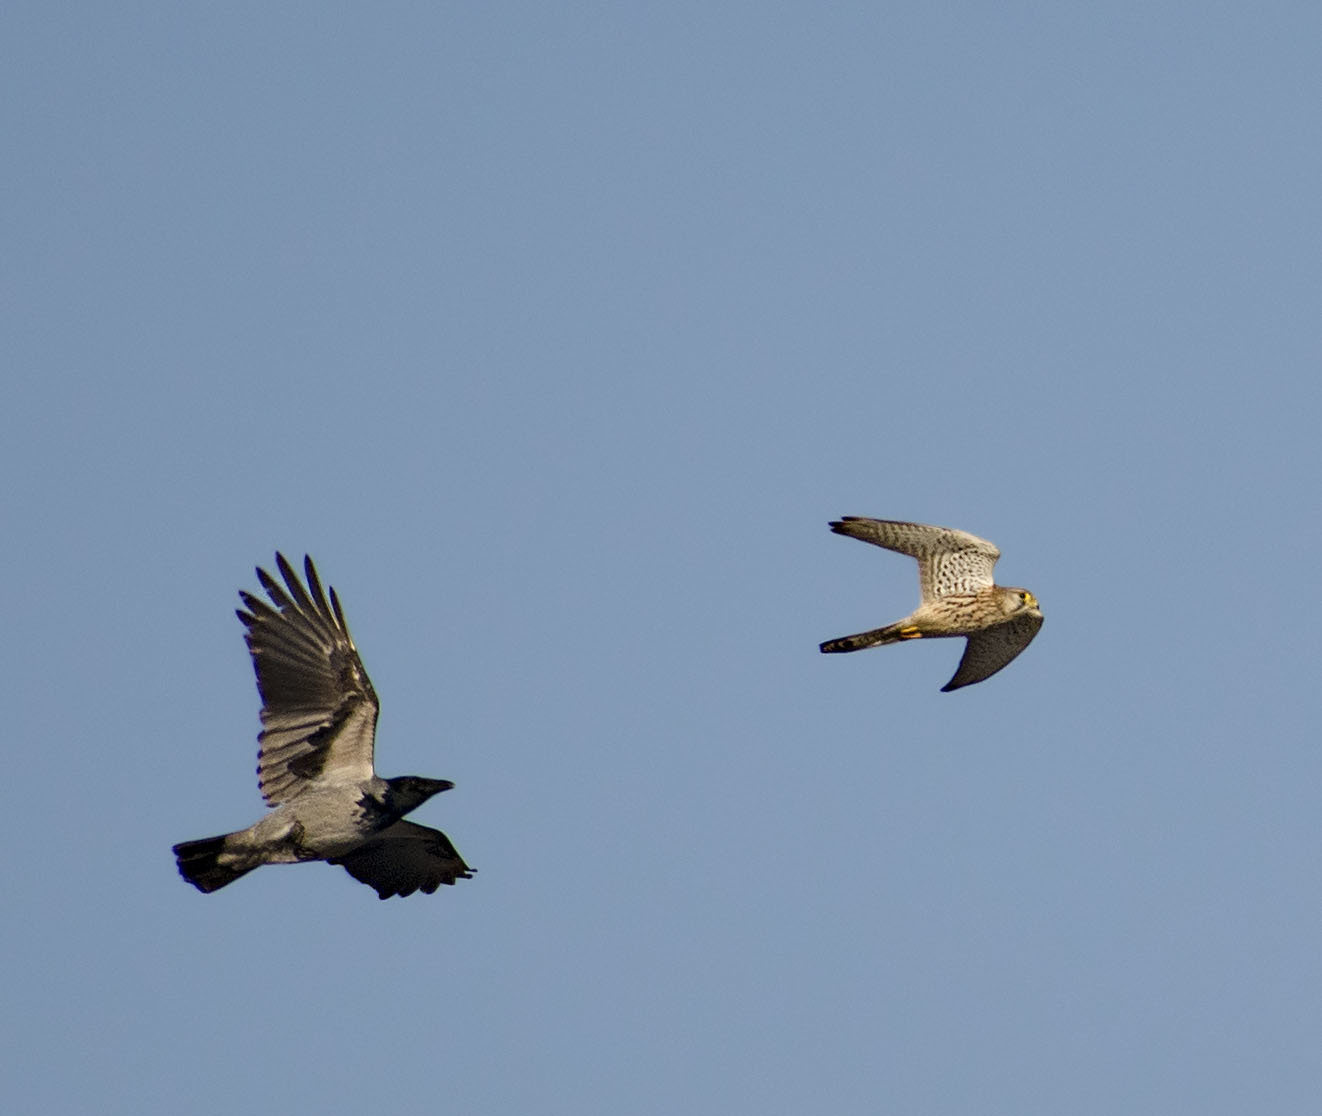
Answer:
(404, 858)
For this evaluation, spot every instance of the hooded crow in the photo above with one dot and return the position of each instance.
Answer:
(314, 764)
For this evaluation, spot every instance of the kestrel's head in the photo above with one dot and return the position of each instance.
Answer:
(1016, 601)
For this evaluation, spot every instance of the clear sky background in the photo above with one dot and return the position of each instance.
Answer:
(556, 334)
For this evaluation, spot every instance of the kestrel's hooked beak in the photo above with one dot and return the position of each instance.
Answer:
(1030, 600)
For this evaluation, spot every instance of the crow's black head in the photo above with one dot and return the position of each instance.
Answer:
(408, 792)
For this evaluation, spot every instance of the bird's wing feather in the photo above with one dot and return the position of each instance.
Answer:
(949, 561)
(992, 649)
(404, 858)
(318, 706)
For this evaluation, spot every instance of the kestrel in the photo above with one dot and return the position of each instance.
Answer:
(959, 597)
(315, 765)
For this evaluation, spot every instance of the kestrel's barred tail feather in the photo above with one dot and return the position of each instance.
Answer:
(878, 637)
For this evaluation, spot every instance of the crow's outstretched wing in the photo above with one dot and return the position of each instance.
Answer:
(318, 706)
(404, 858)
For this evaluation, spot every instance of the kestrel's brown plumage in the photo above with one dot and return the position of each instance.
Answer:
(959, 597)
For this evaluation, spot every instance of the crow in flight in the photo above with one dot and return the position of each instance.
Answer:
(314, 765)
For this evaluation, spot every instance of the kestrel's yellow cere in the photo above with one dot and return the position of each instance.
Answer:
(959, 597)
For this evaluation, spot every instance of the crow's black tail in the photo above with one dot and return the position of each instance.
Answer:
(199, 864)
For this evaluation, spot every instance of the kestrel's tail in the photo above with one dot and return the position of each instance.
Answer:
(878, 637)
(199, 864)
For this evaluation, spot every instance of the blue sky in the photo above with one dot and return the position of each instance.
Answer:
(557, 336)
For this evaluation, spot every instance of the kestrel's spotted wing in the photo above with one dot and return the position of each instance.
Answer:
(994, 648)
(318, 706)
(949, 561)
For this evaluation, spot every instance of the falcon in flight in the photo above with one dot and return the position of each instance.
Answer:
(314, 765)
(959, 597)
